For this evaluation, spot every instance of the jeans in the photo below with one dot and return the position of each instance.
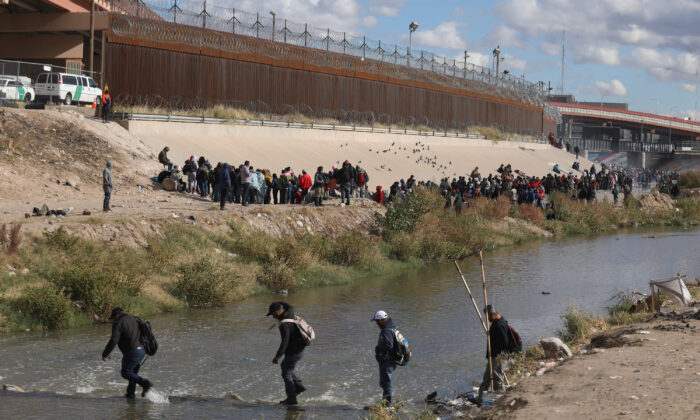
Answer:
(245, 194)
(131, 363)
(215, 193)
(385, 371)
(345, 192)
(105, 112)
(291, 380)
(203, 188)
(274, 194)
(105, 204)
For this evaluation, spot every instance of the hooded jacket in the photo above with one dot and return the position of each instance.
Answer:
(125, 334)
(498, 333)
(225, 176)
(305, 182)
(379, 195)
(386, 345)
(292, 341)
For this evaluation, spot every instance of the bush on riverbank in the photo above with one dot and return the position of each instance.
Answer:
(44, 306)
(188, 265)
(689, 179)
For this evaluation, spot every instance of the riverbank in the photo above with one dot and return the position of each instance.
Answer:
(72, 273)
(643, 369)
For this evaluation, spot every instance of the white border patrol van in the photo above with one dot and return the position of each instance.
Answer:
(16, 91)
(66, 88)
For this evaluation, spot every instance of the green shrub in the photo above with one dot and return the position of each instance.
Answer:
(45, 306)
(203, 283)
(97, 290)
(277, 275)
(689, 179)
(403, 246)
(354, 249)
(578, 324)
(403, 216)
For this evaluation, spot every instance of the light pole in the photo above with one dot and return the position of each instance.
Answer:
(601, 100)
(273, 24)
(497, 56)
(411, 29)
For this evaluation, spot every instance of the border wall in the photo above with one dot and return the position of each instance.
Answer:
(199, 67)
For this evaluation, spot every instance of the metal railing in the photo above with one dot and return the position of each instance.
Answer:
(620, 146)
(232, 20)
(177, 107)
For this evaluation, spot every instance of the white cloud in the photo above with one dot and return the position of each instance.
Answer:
(608, 56)
(612, 88)
(391, 8)
(447, 35)
(689, 88)
(457, 12)
(694, 114)
(513, 63)
(597, 30)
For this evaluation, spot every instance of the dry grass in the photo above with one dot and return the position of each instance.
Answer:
(10, 239)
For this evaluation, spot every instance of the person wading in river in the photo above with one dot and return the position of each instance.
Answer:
(385, 352)
(125, 334)
(499, 334)
(291, 347)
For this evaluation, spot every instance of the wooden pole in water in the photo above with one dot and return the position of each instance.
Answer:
(476, 308)
(653, 299)
(488, 337)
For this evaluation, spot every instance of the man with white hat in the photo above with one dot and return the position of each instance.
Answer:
(385, 352)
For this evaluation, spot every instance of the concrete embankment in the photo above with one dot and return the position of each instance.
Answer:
(386, 157)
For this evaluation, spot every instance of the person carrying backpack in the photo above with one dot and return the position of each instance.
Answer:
(126, 333)
(389, 352)
(503, 340)
(296, 335)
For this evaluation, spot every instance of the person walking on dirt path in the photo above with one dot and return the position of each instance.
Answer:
(224, 184)
(126, 335)
(498, 333)
(577, 151)
(107, 185)
(106, 104)
(246, 180)
(292, 348)
(163, 158)
(384, 352)
(345, 176)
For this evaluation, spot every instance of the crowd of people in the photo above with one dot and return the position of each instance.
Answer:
(243, 184)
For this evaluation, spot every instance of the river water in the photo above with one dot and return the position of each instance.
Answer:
(214, 353)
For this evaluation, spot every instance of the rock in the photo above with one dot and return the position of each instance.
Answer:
(70, 184)
(555, 348)
(13, 388)
(86, 212)
(44, 210)
(25, 271)
(27, 215)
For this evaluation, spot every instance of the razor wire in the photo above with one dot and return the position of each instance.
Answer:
(240, 22)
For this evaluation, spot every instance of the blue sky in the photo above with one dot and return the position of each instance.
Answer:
(644, 52)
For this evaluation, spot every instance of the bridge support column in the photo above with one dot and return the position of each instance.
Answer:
(585, 154)
(637, 159)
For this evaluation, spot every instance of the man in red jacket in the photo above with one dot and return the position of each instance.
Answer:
(305, 183)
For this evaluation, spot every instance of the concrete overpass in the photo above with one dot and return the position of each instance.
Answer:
(595, 128)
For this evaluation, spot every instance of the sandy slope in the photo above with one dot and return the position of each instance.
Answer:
(382, 155)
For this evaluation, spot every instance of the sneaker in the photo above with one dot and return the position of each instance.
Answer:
(146, 388)
(130, 396)
(289, 402)
(300, 388)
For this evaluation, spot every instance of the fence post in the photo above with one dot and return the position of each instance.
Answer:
(285, 31)
(408, 56)
(257, 25)
(138, 8)
(328, 39)
(364, 46)
(204, 15)
(306, 33)
(344, 42)
(421, 59)
(233, 20)
(396, 54)
(381, 51)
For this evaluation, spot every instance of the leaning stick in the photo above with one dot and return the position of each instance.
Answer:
(476, 308)
(488, 337)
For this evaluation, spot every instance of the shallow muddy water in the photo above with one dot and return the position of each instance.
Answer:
(229, 350)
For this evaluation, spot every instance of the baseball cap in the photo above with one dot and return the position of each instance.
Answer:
(274, 307)
(379, 315)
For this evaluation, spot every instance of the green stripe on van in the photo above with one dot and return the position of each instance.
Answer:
(78, 91)
(21, 92)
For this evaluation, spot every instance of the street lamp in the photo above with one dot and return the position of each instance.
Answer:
(273, 24)
(497, 56)
(411, 29)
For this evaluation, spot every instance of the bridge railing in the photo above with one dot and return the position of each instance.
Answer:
(199, 14)
(620, 146)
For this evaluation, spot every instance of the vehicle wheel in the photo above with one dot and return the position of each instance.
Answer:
(28, 98)
(68, 100)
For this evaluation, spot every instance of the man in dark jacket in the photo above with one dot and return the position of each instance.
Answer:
(385, 352)
(319, 183)
(291, 347)
(224, 184)
(499, 334)
(126, 335)
(344, 177)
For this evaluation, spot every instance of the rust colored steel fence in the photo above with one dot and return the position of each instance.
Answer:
(203, 68)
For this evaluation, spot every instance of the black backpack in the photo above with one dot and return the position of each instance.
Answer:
(515, 343)
(146, 337)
